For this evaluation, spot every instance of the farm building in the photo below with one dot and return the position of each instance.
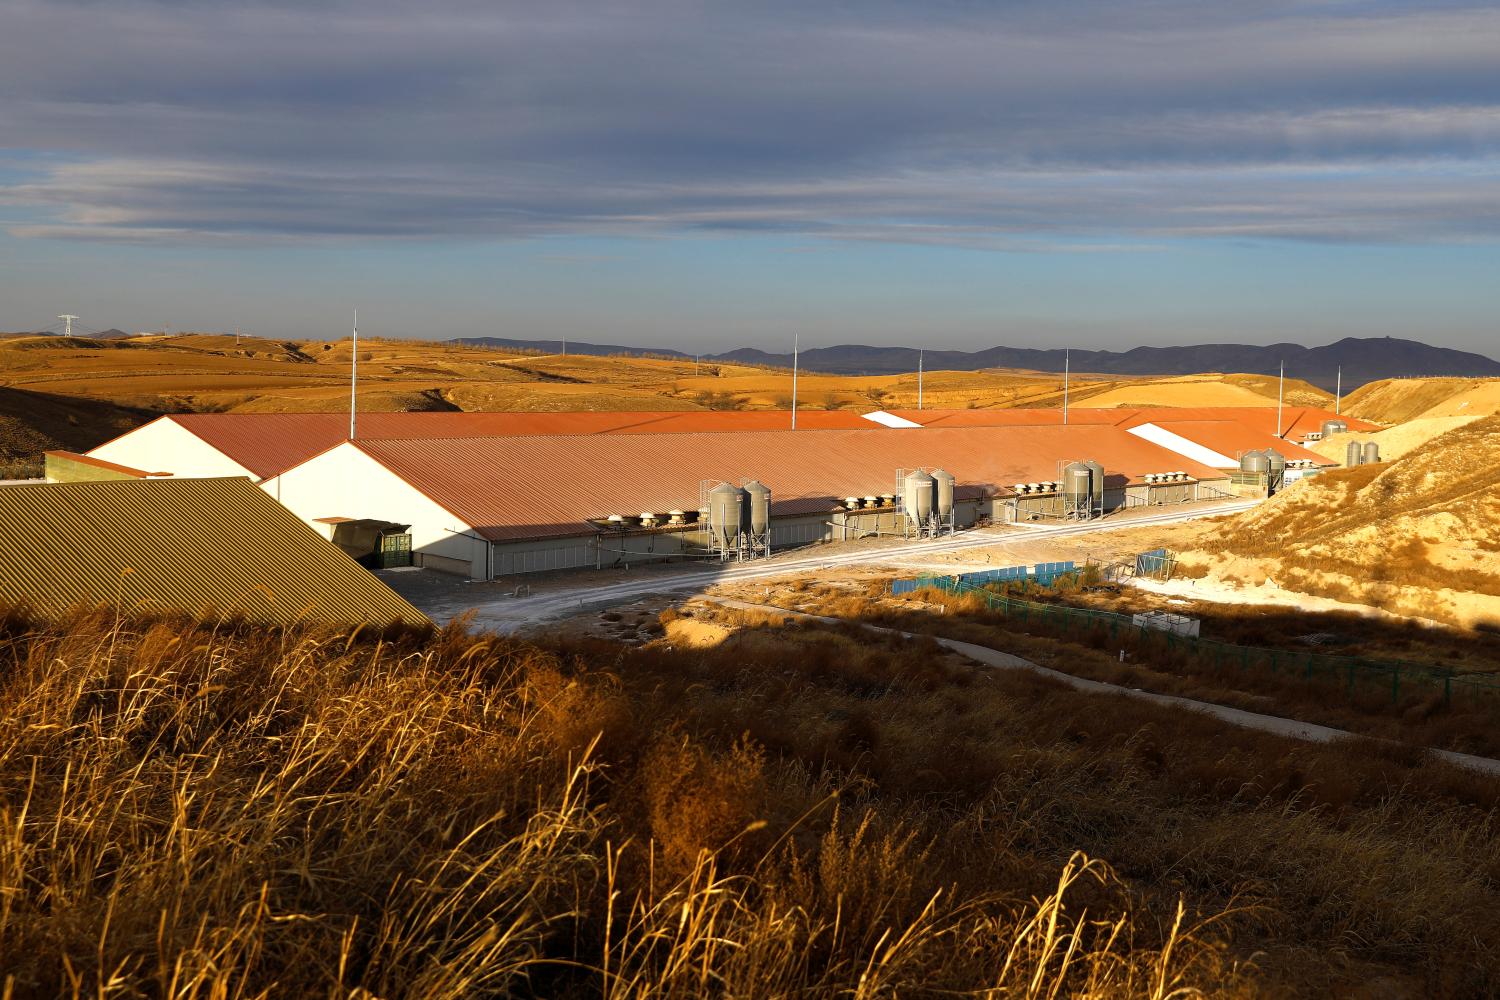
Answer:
(1219, 444)
(262, 445)
(218, 547)
(1298, 424)
(495, 506)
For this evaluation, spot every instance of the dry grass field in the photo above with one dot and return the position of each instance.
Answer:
(191, 810)
(133, 378)
(1393, 401)
(1419, 535)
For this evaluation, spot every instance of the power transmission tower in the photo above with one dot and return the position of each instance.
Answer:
(67, 324)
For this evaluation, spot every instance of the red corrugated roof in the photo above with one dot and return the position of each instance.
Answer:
(1296, 421)
(532, 487)
(1009, 417)
(270, 443)
(1232, 439)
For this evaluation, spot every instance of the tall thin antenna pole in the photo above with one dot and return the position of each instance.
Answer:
(796, 341)
(1067, 359)
(1338, 392)
(354, 376)
(919, 378)
(565, 346)
(1280, 387)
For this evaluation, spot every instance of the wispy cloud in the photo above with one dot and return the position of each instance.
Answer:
(1070, 126)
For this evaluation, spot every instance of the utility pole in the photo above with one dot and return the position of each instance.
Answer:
(919, 378)
(67, 319)
(1280, 391)
(1067, 359)
(354, 376)
(796, 341)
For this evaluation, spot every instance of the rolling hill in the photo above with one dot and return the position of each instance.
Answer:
(1419, 535)
(1362, 360)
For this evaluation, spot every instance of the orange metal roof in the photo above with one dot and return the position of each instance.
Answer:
(199, 546)
(1296, 421)
(534, 487)
(1232, 439)
(270, 443)
(1015, 416)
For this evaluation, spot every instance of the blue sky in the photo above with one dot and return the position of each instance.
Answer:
(705, 176)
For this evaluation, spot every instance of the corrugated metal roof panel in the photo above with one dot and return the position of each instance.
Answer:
(189, 545)
(270, 443)
(1016, 416)
(1232, 438)
(494, 485)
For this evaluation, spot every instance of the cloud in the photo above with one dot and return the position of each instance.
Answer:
(1068, 125)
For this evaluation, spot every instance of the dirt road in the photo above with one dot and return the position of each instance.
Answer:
(510, 614)
(1290, 728)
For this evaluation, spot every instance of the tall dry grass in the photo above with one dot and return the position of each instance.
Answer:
(190, 809)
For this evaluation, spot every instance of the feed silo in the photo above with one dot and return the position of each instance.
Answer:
(758, 515)
(943, 483)
(1097, 468)
(1371, 454)
(1077, 489)
(725, 514)
(1353, 454)
(916, 495)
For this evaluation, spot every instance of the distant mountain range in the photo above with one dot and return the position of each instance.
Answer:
(1363, 359)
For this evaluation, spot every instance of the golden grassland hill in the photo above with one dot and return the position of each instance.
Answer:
(1419, 535)
(34, 422)
(1394, 442)
(1391, 401)
(154, 373)
(219, 372)
(197, 810)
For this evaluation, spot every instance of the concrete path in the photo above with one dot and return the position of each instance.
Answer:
(511, 614)
(1290, 728)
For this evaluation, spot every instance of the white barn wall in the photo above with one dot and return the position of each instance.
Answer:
(345, 482)
(164, 445)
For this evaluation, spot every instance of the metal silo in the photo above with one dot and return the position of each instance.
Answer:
(1097, 468)
(943, 483)
(1353, 454)
(1276, 476)
(759, 496)
(1372, 453)
(1255, 462)
(725, 506)
(1331, 427)
(1077, 488)
(916, 494)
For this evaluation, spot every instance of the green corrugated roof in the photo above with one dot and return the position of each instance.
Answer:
(220, 546)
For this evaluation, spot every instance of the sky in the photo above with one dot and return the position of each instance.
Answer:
(704, 176)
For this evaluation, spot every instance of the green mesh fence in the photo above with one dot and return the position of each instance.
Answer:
(1349, 674)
